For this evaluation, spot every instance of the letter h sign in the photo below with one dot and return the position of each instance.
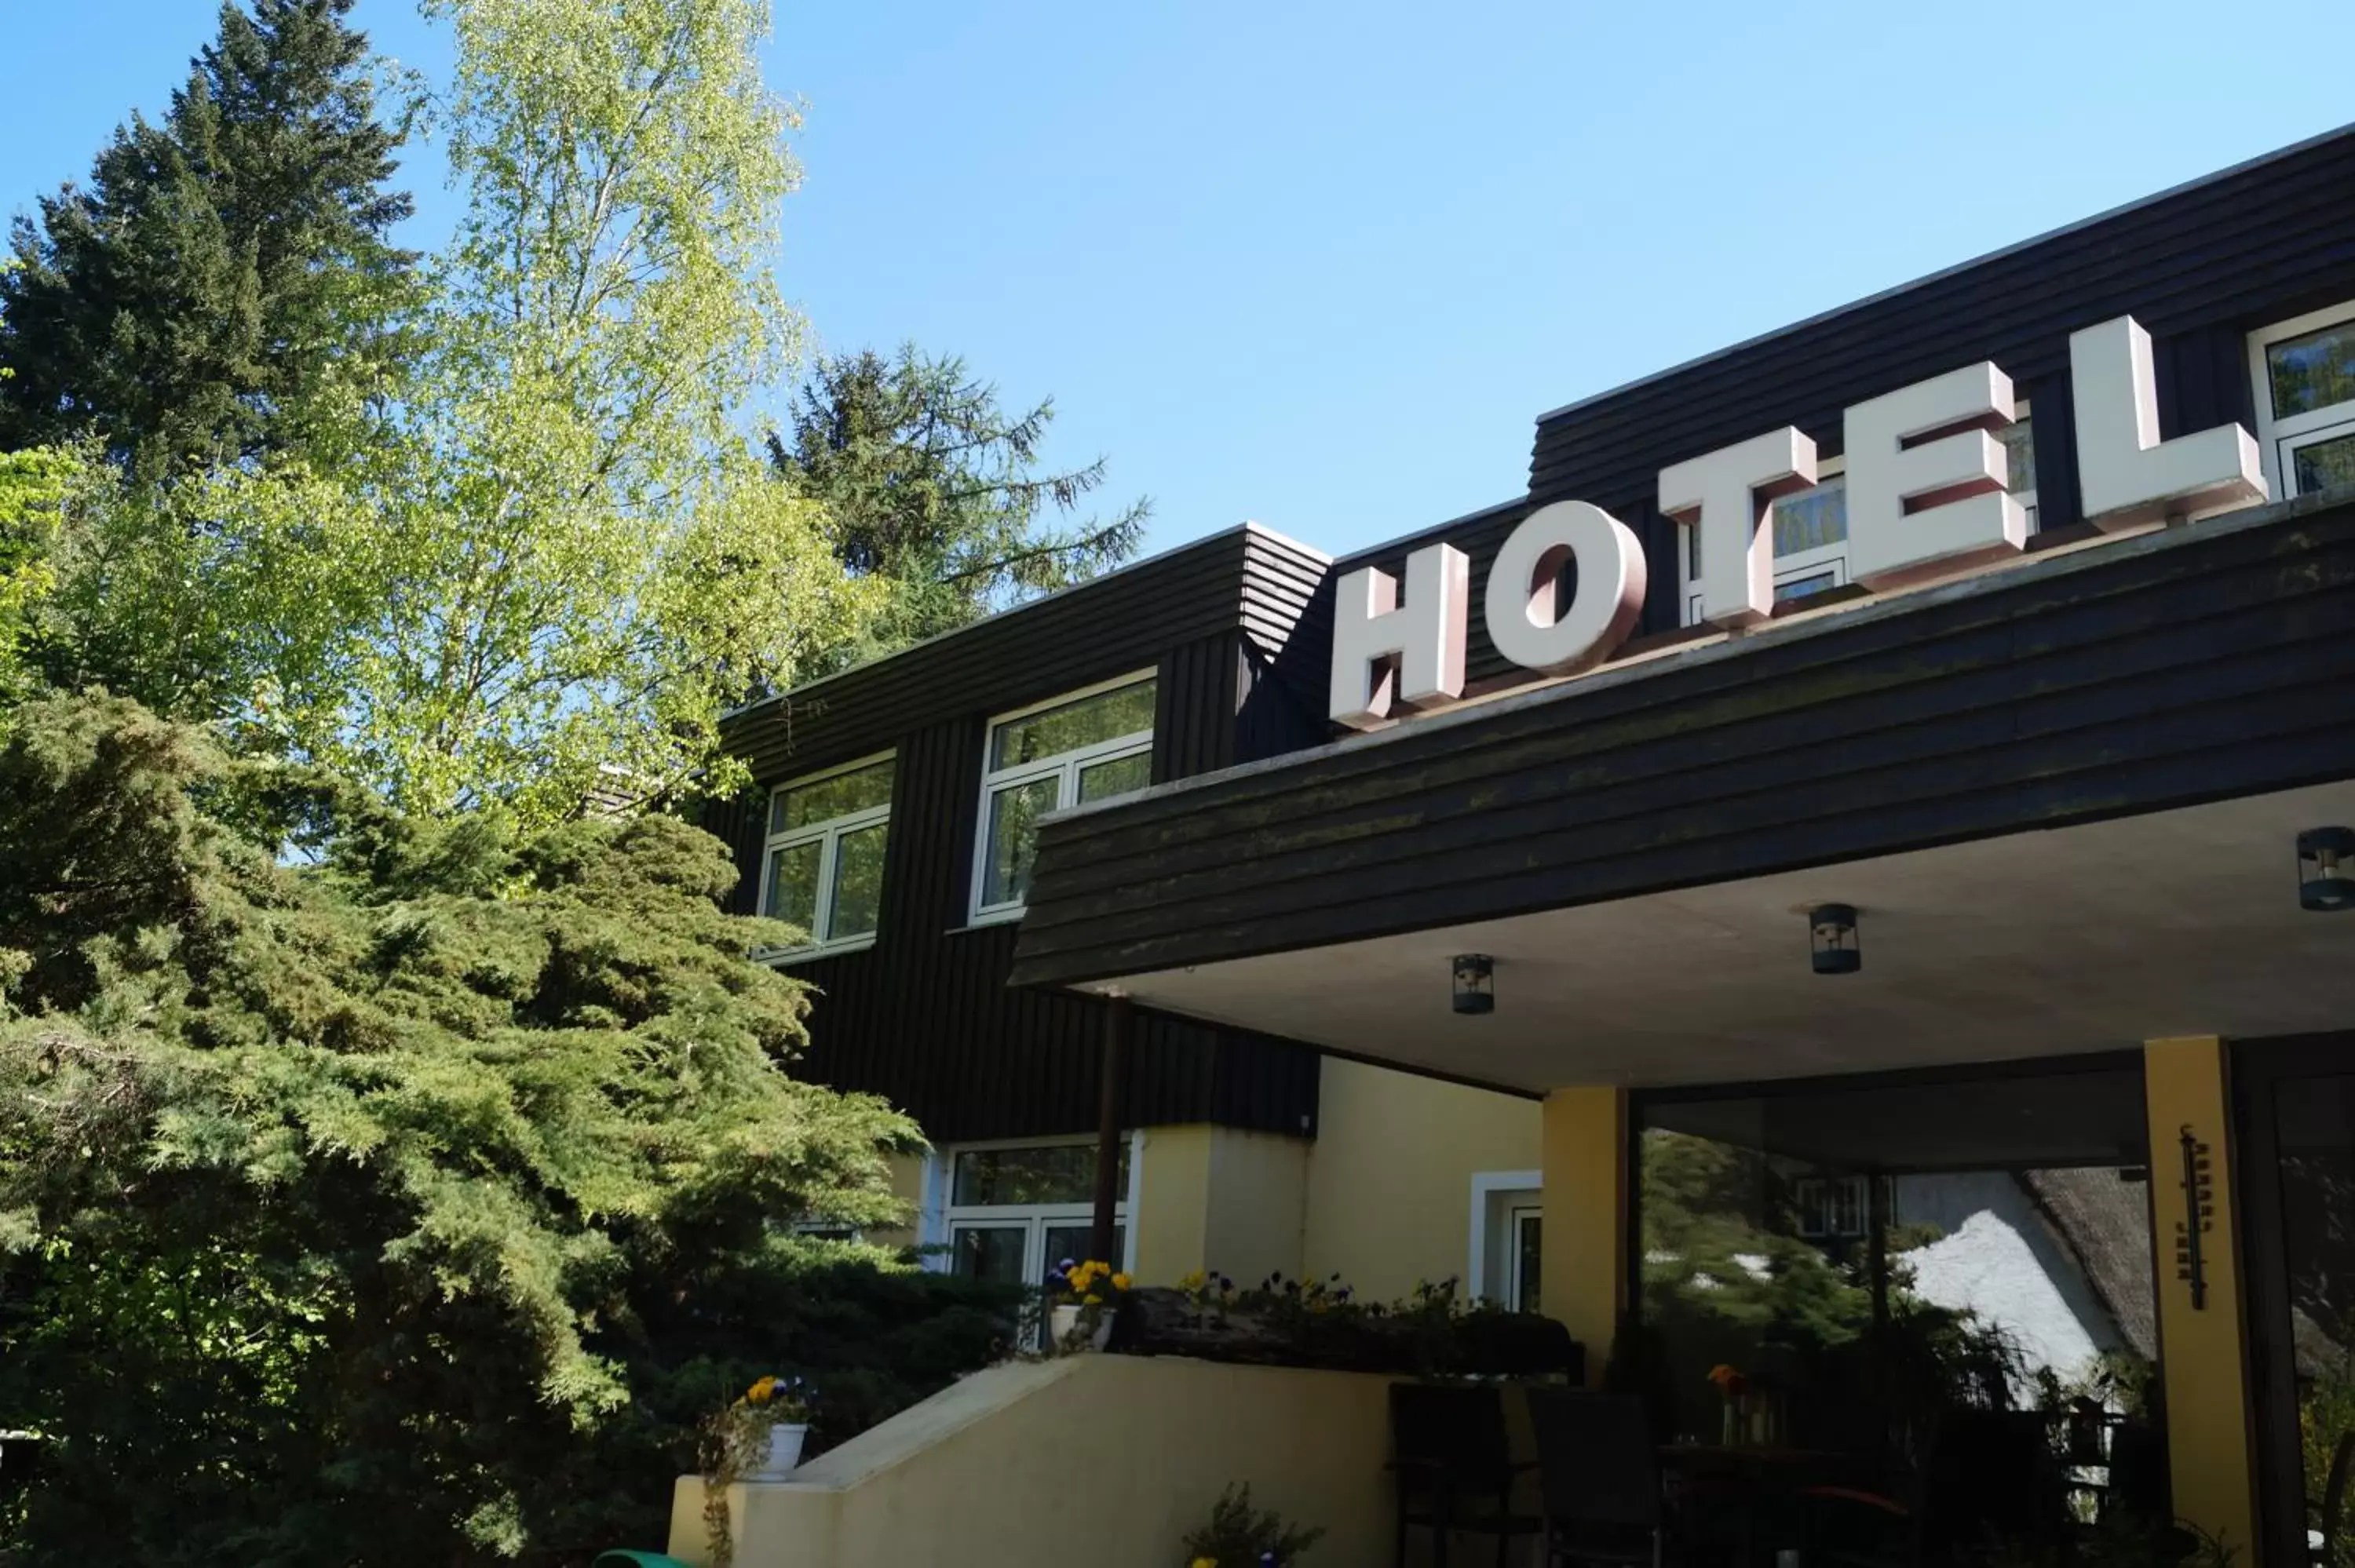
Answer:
(1410, 653)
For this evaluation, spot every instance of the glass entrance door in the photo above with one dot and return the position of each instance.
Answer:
(2298, 1115)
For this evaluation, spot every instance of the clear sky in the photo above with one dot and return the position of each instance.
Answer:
(1321, 264)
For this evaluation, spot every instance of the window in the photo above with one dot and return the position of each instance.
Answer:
(1508, 1238)
(1092, 746)
(1988, 1231)
(1830, 1207)
(825, 867)
(2305, 372)
(1015, 1212)
(1811, 527)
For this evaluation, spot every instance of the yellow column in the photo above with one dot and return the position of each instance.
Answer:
(1584, 1154)
(2202, 1351)
(1172, 1218)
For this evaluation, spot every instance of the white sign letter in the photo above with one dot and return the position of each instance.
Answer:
(1425, 637)
(1925, 480)
(2125, 472)
(1523, 577)
(1723, 500)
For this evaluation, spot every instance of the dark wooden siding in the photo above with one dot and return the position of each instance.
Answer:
(2200, 268)
(1124, 622)
(2163, 671)
(924, 1018)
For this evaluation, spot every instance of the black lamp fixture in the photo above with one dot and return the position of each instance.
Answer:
(2326, 869)
(1476, 983)
(1831, 939)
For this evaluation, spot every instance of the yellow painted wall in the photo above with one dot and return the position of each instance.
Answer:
(1105, 1458)
(1171, 1213)
(908, 1186)
(2202, 1354)
(1258, 1206)
(1389, 1197)
(1213, 1197)
(1584, 1282)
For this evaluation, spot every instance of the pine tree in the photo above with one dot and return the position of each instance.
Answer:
(227, 272)
(932, 489)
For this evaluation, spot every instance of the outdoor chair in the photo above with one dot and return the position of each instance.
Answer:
(1993, 1475)
(1601, 1479)
(2139, 1478)
(1455, 1468)
(2323, 1545)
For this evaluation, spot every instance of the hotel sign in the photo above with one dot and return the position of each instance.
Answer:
(1926, 495)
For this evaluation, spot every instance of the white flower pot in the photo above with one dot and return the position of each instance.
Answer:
(1061, 1321)
(785, 1452)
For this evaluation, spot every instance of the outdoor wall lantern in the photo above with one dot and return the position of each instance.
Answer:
(1831, 938)
(2326, 869)
(1476, 983)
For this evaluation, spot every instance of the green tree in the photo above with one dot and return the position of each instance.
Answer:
(579, 557)
(408, 1207)
(935, 491)
(226, 284)
(32, 487)
(558, 558)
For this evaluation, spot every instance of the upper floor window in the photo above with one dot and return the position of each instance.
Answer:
(1811, 527)
(2305, 373)
(1086, 747)
(825, 869)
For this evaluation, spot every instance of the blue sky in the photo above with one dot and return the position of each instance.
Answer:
(1322, 264)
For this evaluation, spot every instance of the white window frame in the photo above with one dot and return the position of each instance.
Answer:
(829, 834)
(1498, 1199)
(941, 1214)
(1065, 766)
(1804, 564)
(2278, 439)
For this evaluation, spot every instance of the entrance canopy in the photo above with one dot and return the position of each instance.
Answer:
(2063, 796)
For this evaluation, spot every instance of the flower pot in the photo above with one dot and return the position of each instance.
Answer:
(785, 1452)
(1061, 1321)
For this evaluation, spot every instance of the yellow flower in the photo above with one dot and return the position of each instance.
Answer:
(1120, 1282)
(1203, 1562)
(760, 1392)
(1194, 1281)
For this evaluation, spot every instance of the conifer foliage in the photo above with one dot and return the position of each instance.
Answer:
(408, 1205)
(225, 271)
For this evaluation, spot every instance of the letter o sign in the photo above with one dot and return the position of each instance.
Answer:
(1522, 588)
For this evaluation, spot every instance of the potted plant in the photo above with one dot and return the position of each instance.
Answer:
(1080, 1294)
(766, 1429)
(1241, 1536)
(757, 1438)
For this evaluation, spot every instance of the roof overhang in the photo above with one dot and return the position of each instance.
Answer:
(2064, 795)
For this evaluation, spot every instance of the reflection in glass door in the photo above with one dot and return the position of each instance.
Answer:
(2297, 1102)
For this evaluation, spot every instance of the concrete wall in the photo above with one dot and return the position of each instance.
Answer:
(1170, 1217)
(1108, 1458)
(1213, 1197)
(1258, 1206)
(1389, 1180)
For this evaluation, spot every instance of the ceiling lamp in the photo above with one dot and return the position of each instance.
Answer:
(1476, 983)
(2326, 869)
(1831, 939)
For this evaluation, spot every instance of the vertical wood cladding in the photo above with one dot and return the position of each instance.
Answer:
(924, 1018)
(2199, 267)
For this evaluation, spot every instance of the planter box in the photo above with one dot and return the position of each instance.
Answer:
(1483, 1343)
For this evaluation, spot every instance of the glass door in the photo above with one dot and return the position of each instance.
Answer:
(2297, 1116)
